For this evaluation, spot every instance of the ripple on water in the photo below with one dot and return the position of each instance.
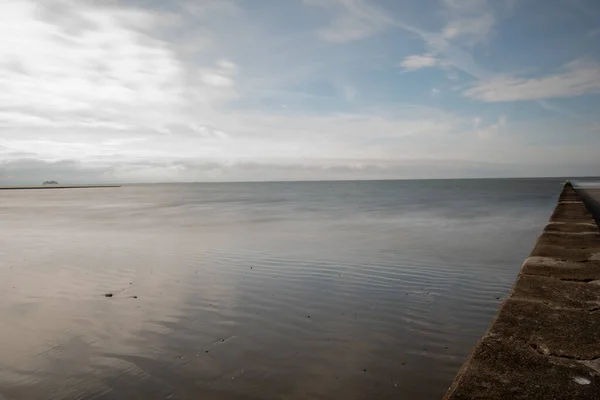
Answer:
(340, 290)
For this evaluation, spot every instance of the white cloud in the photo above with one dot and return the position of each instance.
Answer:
(469, 22)
(216, 80)
(67, 65)
(203, 8)
(220, 77)
(491, 130)
(354, 19)
(105, 65)
(578, 78)
(80, 94)
(470, 30)
(465, 6)
(12, 119)
(415, 62)
(227, 66)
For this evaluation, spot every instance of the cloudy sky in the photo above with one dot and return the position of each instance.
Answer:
(201, 90)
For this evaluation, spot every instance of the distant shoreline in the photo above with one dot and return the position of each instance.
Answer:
(57, 187)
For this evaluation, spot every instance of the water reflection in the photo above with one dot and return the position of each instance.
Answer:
(326, 291)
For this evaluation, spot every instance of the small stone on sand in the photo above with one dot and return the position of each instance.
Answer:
(581, 380)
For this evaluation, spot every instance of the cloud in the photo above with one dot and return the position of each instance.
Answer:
(594, 32)
(101, 63)
(469, 22)
(578, 78)
(32, 171)
(220, 77)
(208, 7)
(240, 137)
(18, 119)
(415, 62)
(114, 92)
(465, 6)
(347, 91)
(470, 30)
(353, 20)
(491, 130)
(134, 93)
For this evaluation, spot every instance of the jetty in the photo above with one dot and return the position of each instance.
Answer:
(545, 341)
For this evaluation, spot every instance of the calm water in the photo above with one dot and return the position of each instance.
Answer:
(332, 290)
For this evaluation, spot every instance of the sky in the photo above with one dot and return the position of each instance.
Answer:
(226, 90)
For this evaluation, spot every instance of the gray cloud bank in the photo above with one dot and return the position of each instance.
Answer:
(32, 171)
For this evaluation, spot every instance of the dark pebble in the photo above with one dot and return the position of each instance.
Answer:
(365, 370)
(108, 295)
(135, 297)
(206, 351)
(308, 316)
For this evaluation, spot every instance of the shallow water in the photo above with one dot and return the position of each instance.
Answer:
(326, 290)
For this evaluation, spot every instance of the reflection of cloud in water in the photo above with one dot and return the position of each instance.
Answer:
(54, 297)
(225, 288)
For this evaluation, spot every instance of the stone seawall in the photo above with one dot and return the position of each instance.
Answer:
(545, 341)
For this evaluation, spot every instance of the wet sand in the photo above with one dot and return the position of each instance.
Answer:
(254, 291)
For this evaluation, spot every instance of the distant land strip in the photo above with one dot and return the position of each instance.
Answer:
(57, 187)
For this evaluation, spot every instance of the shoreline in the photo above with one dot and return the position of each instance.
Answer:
(33, 187)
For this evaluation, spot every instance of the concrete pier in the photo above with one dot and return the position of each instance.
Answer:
(545, 341)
